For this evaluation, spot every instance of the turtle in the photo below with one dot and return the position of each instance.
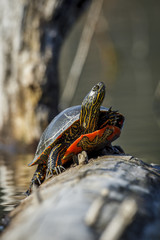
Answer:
(86, 127)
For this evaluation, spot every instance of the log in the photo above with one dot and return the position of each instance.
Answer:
(111, 197)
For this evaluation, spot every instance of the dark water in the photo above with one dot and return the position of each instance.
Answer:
(124, 55)
(14, 180)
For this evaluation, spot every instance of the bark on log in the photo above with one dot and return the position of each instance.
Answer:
(31, 37)
(112, 197)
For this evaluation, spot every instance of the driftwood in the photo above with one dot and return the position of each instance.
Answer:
(111, 197)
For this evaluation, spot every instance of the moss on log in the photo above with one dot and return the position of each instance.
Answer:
(111, 197)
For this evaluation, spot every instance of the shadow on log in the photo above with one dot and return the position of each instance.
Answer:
(111, 197)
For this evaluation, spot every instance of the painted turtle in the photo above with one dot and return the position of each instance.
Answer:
(87, 127)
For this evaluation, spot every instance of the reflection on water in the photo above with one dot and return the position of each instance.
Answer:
(14, 180)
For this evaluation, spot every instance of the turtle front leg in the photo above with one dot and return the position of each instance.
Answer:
(38, 177)
(55, 160)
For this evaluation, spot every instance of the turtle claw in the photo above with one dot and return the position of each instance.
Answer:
(49, 173)
(28, 192)
(56, 170)
(39, 181)
(59, 169)
(63, 168)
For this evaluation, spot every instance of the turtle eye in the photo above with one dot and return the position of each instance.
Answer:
(95, 88)
(98, 87)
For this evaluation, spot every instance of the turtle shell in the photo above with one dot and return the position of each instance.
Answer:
(57, 126)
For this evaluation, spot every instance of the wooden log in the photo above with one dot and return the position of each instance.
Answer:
(111, 197)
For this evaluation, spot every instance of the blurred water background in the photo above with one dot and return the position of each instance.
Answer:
(125, 55)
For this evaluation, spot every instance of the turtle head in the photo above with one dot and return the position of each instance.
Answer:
(91, 108)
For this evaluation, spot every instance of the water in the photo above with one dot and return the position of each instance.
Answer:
(14, 180)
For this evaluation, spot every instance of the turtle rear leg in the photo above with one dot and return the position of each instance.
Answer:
(55, 160)
(38, 177)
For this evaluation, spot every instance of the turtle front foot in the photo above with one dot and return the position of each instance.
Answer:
(38, 178)
(59, 169)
